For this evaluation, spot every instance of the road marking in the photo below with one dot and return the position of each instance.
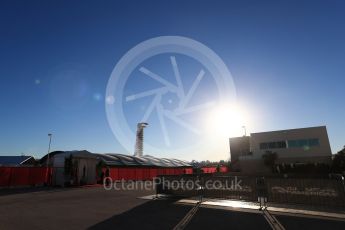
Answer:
(272, 220)
(184, 222)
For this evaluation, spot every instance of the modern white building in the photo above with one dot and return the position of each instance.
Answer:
(303, 145)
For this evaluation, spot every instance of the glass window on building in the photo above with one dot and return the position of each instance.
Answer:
(281, 144)
(314, 142)
(263, 145)
(272, 145)
(292, 144)
(303, 143)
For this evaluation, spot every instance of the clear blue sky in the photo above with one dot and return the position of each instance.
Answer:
(287, 59)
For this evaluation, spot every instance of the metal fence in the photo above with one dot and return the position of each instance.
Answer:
(225, 187)
(324, 192)
(181, 185)
(230, 187)
(319, 192)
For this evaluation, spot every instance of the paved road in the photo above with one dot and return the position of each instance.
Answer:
(207, 218)
(155, 214)
(293, 222)
(96, 208)
(77, 208)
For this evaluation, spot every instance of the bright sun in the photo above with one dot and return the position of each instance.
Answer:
(220, 123)
(226, 121)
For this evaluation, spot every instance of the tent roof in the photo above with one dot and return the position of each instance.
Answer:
(120, 159)
(116, 159)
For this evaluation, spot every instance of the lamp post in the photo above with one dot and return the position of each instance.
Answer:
(245, 130)
(50, 141)
(48, 174)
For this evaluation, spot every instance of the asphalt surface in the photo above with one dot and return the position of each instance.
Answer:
(76, 208)
(207, 218)
(293, 222)
(156, 214)
(96, 208)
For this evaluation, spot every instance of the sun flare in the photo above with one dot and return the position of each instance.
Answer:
(226, 121)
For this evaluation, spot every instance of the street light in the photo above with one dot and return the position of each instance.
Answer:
(245, 130)
(50, 141)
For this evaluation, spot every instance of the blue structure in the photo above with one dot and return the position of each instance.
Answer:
(16, 160)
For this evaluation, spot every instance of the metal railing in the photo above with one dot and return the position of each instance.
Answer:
(305, 191)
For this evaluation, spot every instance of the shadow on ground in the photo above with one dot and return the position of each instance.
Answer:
(207, 218)
(165, 214)
(13, 191)
(292, 222)
(155, 214)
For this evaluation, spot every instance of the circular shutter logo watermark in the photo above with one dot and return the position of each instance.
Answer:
(168, 82)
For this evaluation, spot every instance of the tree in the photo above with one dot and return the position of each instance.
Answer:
(270, 159)
(338, 163)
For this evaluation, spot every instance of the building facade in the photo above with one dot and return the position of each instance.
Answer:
(304, 145)
(239, 146)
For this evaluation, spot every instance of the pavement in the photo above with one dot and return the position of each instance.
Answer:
(248, 216)
(208, 218)
(71, 208)
(95, 208)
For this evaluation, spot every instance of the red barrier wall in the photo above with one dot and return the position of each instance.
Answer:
(23, 176)
(222, 169)
(5, 175)
(188, 171)
(144, 173)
